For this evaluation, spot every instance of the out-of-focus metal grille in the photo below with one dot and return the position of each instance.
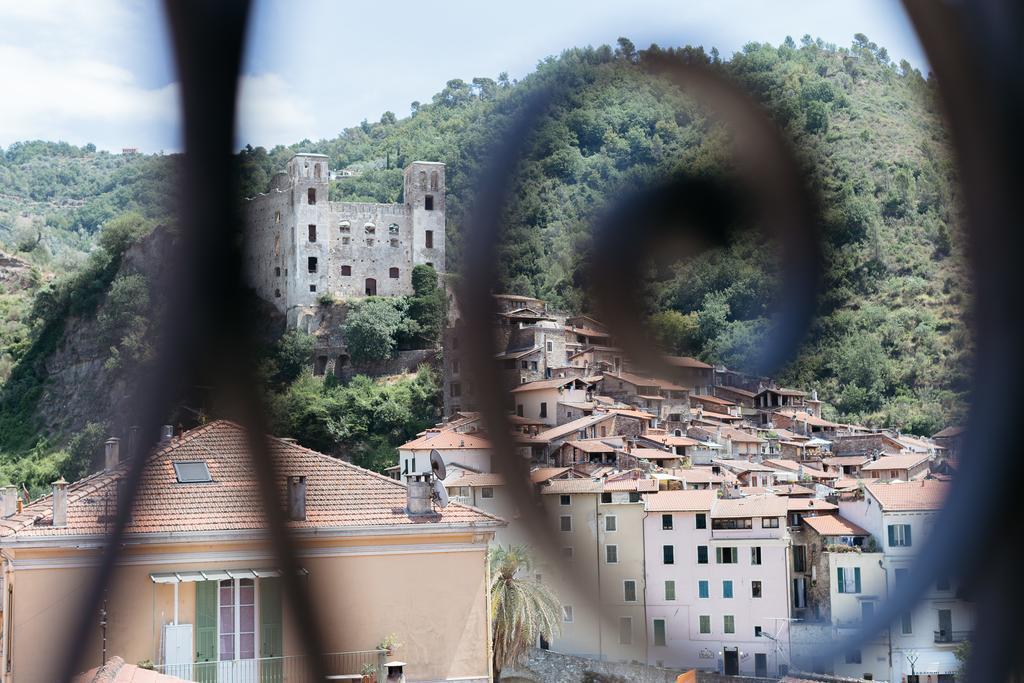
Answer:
(975, 49)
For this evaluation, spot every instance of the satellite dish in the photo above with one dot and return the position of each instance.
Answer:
(440, 494)
(437, 465)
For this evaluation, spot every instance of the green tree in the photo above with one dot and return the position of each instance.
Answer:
(522, 608)
(292, 352)
(675, 332)
(426, 308)
(371, 329)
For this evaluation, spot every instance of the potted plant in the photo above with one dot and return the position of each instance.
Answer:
(389, 643)
(369, 673)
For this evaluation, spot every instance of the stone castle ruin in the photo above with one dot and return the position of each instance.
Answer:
(302, 246)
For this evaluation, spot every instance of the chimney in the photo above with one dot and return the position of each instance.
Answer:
(166, 434)
(418, 495)
(297, 498)
(60, 503)
(10, 500)
(112, 453)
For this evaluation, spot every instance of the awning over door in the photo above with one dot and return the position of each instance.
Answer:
(216, 575)
(937, 663)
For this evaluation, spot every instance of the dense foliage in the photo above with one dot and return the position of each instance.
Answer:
(889, 347)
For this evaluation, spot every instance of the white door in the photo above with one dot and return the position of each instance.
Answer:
(236, 628)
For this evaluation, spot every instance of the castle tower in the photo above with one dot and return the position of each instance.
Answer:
(425, 197)
(309, 233)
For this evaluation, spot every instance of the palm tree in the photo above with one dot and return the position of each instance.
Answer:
(522, 609)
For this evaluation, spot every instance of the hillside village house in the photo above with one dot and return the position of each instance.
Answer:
(197, 583)
(540, 399)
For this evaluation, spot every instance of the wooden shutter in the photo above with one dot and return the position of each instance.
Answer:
(906, 535)
(856, 579)
(206, 631)
(271, 629)
(892, 535)
(839, 580)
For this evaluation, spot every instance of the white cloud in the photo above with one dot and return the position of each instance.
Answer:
(270, 112)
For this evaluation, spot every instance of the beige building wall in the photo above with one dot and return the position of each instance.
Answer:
(365, 589)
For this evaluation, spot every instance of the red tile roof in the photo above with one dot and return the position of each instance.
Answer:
(834, 525)
(447, 440)
(926, 494)
(687, 362)
(895, 462)
(750, 506)
(802, 504)
(338, 494)
(682, 501)
(556, 383)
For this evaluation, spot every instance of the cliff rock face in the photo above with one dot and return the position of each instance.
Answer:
(81, 388)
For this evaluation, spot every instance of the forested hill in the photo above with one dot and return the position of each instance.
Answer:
(889, 346)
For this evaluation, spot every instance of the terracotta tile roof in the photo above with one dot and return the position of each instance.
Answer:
(687, 362)
(591, 446)
(895, 462)
(783, 392)
(799, 504)
(736, 390)
(653, 454)
(544, 473)
(949, 432)
(641, 485)
(338, 494)
(926, 494)
(743, 466)
(681, 501)
(670, 440)
(834, 525)
(628, 412)
(587, 485)
(721, 417)
(794, 466)
(740, 436)
(117, 671)
(447, 440)
(918, 445)
(851, 483)
(556, 383)
(703, 398)
(750, 506)
(480, 479)
(846, 460)
(802, 416)
(569, 428)
(698, 475)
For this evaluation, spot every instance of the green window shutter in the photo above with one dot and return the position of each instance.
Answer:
(892, 535)
(206, 630)
(839, 579)
(718, 555)
(856, 579)
(906, 535)
(271, 630)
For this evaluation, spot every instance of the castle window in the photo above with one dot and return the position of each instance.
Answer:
(346, 270)
(312, 288)
(311, 264)
(433, 181)
(428, 202)
(430, 239)
(393, 273)
(370, 228)
(311, 196)
(277, 271)
(393, 229)
(394, 243)
(423, 180)
(277, 217)
(429, 264)
(316, 171)
(345, 226)
(344, 240)
(277, 293)
(369, 241)
(312, 233)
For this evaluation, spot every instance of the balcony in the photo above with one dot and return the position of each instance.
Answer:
(944, 636)
(292, 669)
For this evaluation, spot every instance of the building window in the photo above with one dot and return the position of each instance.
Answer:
(567, 613)
(755, 589)
(634, 496)
(668, 554)
(727, 589)
(346, 271)
(625, 630)
(370, 229)
(702, 520)
(428, 202)
(277, 271)
(899, 536)
(755, 555)
(629, 590)
(433, 180)
(277, 217)
(455, 390)
(659, 632)
(519, 410)
(611, 554)
(731, 523)
(606, 497)
(799, 558)
(703, 590)
(487, 492)
(769, 522)
(848, 579)
(670, 590)
(853, 657)
(702, 554)
(543, 409)
(564, 500)
(906, 624)
(666, 522)
(393, 273)
(345, 227)
(277, 293)
(705, 623)
(393, 229)
(394, 243)
(551, 347)
(345, 240)
(611, 523)
(729, 624)
(312, 233)
(429, 237)
(312, 288)
(311, 264)
(726, 555)
(757, 631)
(311, 196)
(565, 523)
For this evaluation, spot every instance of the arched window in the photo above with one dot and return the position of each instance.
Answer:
(370, 228)
(393, 273)
(433, 181)
(345, 227)
(393, 229)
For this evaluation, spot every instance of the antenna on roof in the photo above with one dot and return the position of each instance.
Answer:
(437, 465)
(438, 493)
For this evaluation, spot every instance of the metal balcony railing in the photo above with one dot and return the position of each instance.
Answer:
(290, 669)
(944, 636)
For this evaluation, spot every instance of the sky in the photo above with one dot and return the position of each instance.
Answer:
(101, 71)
